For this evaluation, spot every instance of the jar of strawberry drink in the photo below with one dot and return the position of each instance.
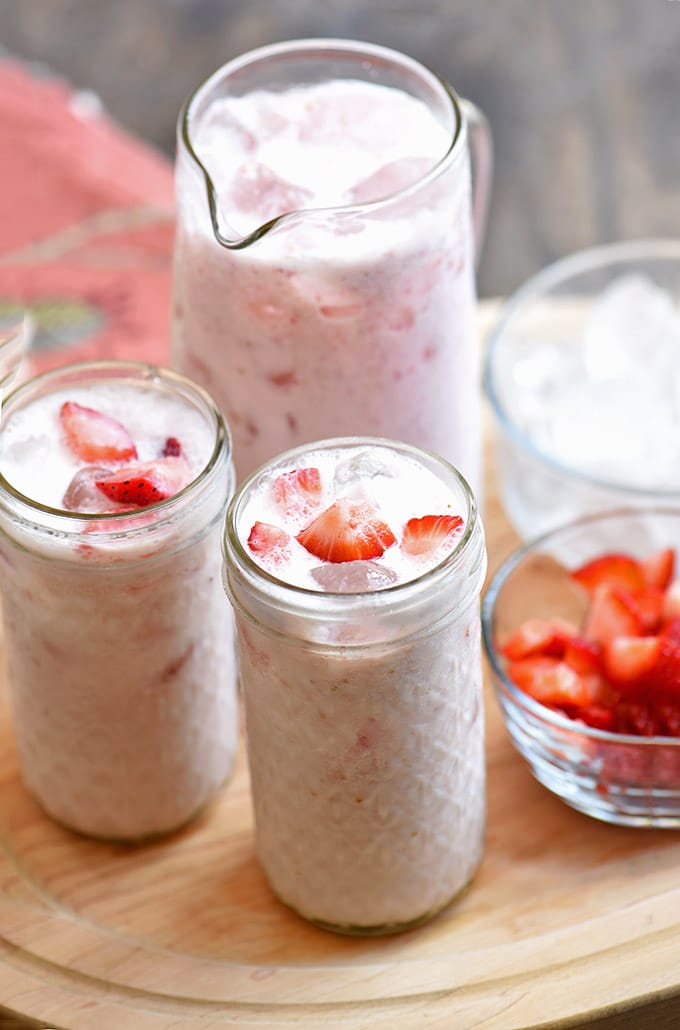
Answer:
(324, 256)
(355, 567)
(114, 478)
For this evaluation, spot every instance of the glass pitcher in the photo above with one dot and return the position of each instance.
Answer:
(350, 318)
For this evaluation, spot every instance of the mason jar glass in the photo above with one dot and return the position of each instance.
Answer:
(118, 637)
(364, 723)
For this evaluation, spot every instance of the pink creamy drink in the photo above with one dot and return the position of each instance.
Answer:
(355, 568)
(353, 313)
(114, 478)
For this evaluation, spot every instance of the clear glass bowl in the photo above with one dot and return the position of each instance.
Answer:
(539, 490)
(619, 778)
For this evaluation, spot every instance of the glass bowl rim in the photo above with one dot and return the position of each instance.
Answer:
(553, 275)
(503, 684)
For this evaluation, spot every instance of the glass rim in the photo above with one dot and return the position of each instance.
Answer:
(520, 698)
(135, 371)
(233, 546)
(305, 47)
(591, 259)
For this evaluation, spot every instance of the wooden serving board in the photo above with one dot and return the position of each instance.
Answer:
(567, 921)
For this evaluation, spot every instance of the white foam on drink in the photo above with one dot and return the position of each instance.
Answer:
(608, 404)
(396, 486)
(327, 144)
(36, 459)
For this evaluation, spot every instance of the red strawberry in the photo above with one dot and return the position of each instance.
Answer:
(669, 715)
(347, 531)
(539, 636)
(614, 570)
(662, 680)
(610, 616)
(172, 448)
(424, 535)
(639, 718)
(298, 492)
(628, 659)
(270, 542)
(584, 656)
(550, 681)
(657, 569)
(138, 486)
(648, 605)
(598, 716)
(93, 436)
(671, 601)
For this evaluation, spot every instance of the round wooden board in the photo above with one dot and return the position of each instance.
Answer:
(567, 920)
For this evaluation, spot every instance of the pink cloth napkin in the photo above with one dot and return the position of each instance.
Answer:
(86, 226)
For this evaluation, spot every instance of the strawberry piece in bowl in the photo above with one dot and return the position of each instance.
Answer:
(94, 436)
(347, 531)
(425, 535)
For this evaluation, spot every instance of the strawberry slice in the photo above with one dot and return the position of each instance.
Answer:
(671, 601)
(609, 616)
(539, 636)
(584, 656)
(93, 436)
(138, 486)
(669, 716)
(269, 542)
(628, 659)
(648, 605)
(424, 535)
(550, 681)
(614, 570)
(658, 568)
(298, 492)
(347, 531)
(599, 717)
(662, 680)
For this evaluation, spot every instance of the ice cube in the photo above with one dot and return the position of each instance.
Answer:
(82, 494)
(389, 179)
(631, 328)
(353, 577)
(260, 192)
(362, 467)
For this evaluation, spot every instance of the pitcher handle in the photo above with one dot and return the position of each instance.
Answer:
(481, 151)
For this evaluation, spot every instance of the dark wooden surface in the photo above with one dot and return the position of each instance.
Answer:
(583, 97)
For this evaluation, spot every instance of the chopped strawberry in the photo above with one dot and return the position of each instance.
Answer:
(138, 486)
(585, 656)
(671, 601)
(600, 717)
(648, 606)
(658, 568)
(93, 436)
(426, 534)
(539, 636)
(172, 448)
(347, 531)
(639, 718)
(298, 492)
(669, 715)
(550, 681)
(609, 616)
(614, 570)
(662, 680)
(270, 542)
(627, 660)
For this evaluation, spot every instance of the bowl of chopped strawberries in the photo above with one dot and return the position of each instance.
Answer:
(582, 632)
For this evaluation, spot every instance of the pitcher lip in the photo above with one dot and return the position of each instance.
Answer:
(304, 46)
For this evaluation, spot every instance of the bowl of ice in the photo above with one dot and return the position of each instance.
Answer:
(583, 377)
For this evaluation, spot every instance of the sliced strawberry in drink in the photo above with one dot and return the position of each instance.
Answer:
(610, 616)
(93, 436)
(426, 534)
(347, 531)
(658, 568)
(269, 542)
(550, 681)
(298, 492)
(627, 660)
(138, 486)
(614, 570)
(539, 636)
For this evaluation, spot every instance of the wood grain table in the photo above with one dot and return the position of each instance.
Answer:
(568, 923)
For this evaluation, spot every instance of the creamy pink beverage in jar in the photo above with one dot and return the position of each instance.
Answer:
(355, 568)
(324, 263)
(114, 479)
